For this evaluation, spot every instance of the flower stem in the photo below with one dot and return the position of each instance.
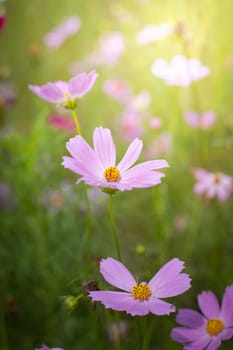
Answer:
(89, 219)
(114, 230)
(76, 121)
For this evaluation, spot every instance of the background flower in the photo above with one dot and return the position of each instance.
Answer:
(182, 71)
(209, 329)
(213, 184)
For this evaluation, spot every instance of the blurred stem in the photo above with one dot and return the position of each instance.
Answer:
(114, 230)
(89, 219)
(75, 117)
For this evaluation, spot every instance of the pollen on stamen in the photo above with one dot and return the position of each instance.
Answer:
(214, 327)
(141, 291)
(111, 174)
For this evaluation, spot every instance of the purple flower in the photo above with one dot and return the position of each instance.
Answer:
(45, 347)
(65, 93)
(201, 121)
(213, 184)
(66, 29)
(182, 71)
(141, 298)
(97, 166)
(209, 329)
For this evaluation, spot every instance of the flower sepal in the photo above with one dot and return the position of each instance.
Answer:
(108, 190)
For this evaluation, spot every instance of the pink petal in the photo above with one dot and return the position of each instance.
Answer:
(189, 318)
(227, 334)
(168, 281)
(198, 344)
(209, 305)
(104, 147)
(81, 84)
(141, 169)
(131, 155)
(186, 335)
(84, 155)
(138, 308)
(119, 301)
(49, 92)
(226, 313)
(215, 343)
(115, 273)
(160, 307)
(144, 180)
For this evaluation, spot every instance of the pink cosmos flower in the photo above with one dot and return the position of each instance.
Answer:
(201, 121)
(65, 93)
(118, 89)
(161, 145)
(182, 71)
(98, 168)
(131, 124)
(62, 123)
(141, 298)
(45, 347)
(152, 33)
(209, 329)
(213, 184)
(66, 29)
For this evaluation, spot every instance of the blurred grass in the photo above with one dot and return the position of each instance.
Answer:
(42, 252)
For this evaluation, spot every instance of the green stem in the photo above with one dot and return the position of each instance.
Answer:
(114, 230)
(89, 229)
(89, 221)
(75, 117)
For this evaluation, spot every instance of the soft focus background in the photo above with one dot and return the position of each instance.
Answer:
(43, 222)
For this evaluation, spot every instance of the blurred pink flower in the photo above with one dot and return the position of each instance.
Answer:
(201, 121)
(66, 29)
(117, 330)
(7, 94)
(213, 184)
(62, 123)
(2, 22)
(162, 145)
(141, 298)
(182, 71)
(139, 102)
(98, 168)
(131, 124)
(66, 93)
(208, 329)
(45, 347)
(155, 123)
(111, 48)
(118, 89)
(152, 33)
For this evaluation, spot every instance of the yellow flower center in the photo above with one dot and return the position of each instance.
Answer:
(141, 291)
(214, 327)
(111, 174)
(66, 94)
(217, 178)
